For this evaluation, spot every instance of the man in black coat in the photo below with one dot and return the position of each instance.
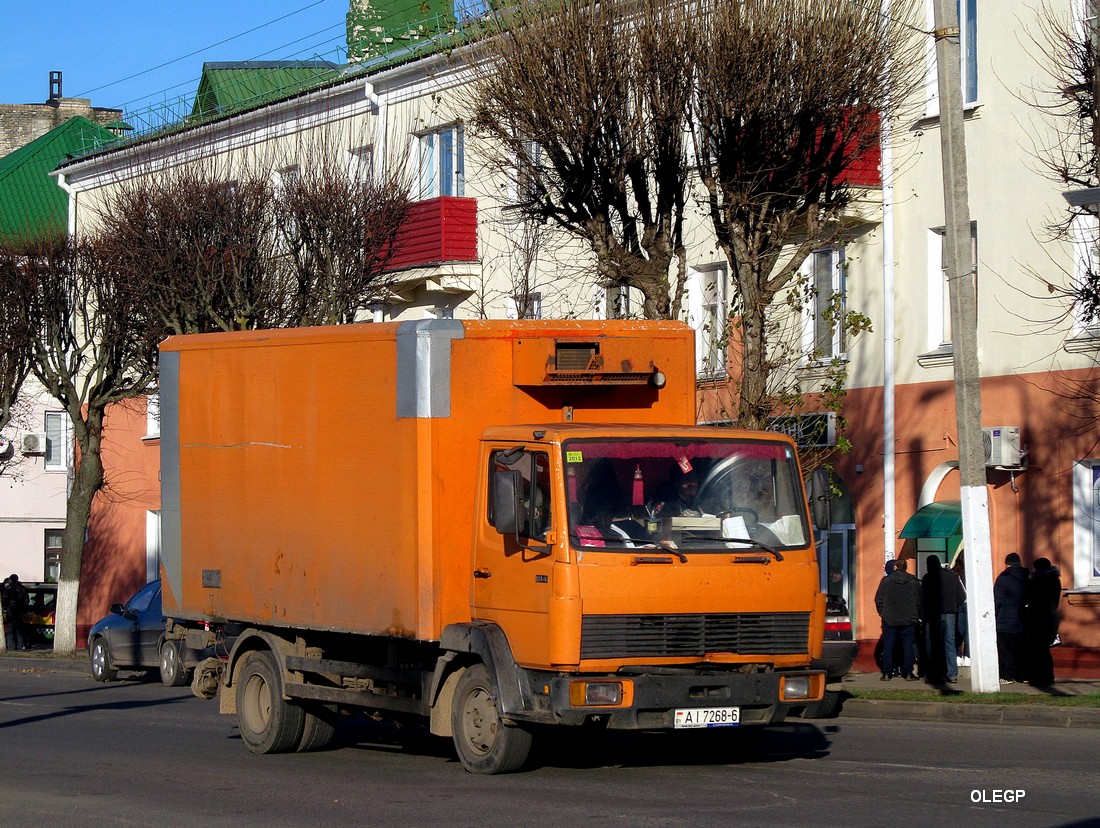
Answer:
(943, 593)
(1043, 592)
(1008, 600)
(898, 602)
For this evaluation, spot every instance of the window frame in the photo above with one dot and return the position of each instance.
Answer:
(706, 312)
(1086, 524)
(441, 162)
(56, 458)
(940, 335)
(968, 56)
(814, 310)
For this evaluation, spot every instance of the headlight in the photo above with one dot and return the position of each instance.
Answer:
(795, 688)
(595, 693)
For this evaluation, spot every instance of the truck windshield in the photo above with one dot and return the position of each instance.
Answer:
(691, 495)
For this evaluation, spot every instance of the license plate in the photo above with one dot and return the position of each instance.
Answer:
(707, 717)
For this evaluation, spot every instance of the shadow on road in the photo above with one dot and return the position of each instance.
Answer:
(579, 749)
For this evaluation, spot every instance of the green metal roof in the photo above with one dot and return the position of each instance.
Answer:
(30, 200)
(942, 519)
(233, 87)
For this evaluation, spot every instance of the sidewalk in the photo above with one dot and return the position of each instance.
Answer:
(942, 709)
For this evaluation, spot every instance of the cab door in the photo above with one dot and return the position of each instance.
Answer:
(514, 564)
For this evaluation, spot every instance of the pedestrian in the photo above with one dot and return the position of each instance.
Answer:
(1009, 591)
(16, 600)
(942, 593)
(898, 602)
(1044, 589)
(962, 621)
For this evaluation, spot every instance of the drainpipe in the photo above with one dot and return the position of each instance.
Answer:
(889, 515)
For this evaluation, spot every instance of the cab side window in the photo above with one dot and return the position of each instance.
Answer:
(533, 468)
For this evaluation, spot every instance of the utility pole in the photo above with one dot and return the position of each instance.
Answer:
(982, 636)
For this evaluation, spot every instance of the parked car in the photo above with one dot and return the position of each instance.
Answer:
(838, 651)
(132, 637)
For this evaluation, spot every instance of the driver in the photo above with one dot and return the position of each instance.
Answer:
(682, 502)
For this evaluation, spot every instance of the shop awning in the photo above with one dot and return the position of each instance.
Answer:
(942, 519)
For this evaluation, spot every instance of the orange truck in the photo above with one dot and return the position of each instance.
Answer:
(493, 526)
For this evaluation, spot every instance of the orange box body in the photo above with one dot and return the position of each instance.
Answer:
(325, 478)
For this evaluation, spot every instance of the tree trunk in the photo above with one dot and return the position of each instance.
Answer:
(87, 480)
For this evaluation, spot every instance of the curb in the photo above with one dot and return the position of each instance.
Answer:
(994, 714)
(44, 663)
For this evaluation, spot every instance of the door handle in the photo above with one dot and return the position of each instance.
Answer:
(482, 573)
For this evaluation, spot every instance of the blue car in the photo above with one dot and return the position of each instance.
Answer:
(132, 637)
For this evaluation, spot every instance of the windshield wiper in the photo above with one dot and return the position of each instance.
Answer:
(632, 543)
(771, 550)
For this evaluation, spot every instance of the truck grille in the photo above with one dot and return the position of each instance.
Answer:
(745, 633)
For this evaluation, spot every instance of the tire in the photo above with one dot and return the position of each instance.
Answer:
(172, 671)
(268, 724)
(319, 728)
(485, 744)
(101, 661)
(827, 708)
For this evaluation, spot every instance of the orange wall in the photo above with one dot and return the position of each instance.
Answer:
(114, 555)
(1030, 513)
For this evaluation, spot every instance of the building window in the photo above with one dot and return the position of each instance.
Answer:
(522, 188)
(707, 314)
(968, 54)
(152, 545)
(152, 415)
(51, 567)
(57, 443)
(361, 164)
(470, 9)
(525, 306)
(939, 292)
(1086, 525)
(823, 328)
(442, 164)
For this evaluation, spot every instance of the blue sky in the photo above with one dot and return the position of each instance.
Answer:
(132, 54)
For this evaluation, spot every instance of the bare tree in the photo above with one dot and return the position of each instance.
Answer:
(587, 103)
(789, 93)
(193, 251)
(14, 338)
(88, 351)
(339, 232)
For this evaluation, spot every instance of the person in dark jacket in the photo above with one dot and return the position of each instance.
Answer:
(898, 602)
(1008, 601)
(1044, 590)
(942, 593)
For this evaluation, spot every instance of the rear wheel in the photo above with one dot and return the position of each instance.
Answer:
(268, 724)
(319, 727)
(172, 671)
(101, 661)
(485, 744)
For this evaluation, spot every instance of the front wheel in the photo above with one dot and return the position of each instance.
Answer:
(101, 662)
(172, 671)
(268, 724)
(485, 744)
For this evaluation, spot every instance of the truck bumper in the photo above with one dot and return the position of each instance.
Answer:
(652, 699)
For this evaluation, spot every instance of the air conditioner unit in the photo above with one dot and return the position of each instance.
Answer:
(1002, 446)
(32, 442)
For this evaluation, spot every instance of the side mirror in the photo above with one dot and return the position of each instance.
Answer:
(507, 501)
(821, 496)
(118, 609)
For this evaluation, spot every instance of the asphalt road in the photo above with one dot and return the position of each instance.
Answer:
(77, 753)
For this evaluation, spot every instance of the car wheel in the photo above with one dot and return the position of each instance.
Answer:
(485, 743)
(268, 724)
(101, 661)
(172, 671)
